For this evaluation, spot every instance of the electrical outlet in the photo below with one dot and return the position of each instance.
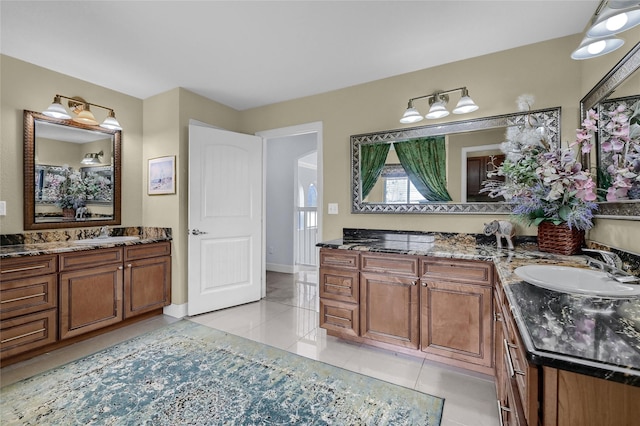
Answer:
(3, 208)
(333, 208)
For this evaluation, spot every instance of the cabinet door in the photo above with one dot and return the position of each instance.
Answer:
(456, 322)
(389, 309)
(147, 285)
(90, 299)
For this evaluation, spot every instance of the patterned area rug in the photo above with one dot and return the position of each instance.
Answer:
(187, 373)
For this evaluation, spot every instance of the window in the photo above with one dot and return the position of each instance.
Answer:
(398, 189)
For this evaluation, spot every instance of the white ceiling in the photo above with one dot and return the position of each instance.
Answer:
(246, 54)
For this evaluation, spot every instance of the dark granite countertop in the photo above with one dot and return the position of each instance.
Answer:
(52, 242)
(586, 335)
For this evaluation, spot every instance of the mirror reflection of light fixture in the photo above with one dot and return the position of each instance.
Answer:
(81, 108)
(438, 106)
(92, 158)
(610, 18)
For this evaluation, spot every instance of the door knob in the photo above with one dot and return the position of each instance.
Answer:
(198, 232)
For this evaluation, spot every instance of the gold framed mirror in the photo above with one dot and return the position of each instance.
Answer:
(72, 174)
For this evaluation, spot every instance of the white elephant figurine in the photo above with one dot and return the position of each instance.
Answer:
(501, 229)
(81, 211)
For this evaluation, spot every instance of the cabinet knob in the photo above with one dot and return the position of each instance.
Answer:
(121, 267)
(129, 265)
(424, 284)
(414, 283)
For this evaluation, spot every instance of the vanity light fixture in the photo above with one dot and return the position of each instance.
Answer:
(614, 18)
(81, 108)
(92, 158)
(610, 18)
(438, 106)
(594, 47)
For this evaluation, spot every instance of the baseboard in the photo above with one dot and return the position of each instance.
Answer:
(176, 311)
(285, 269)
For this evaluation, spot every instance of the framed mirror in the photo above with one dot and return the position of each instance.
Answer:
(620, 85)
(71, 174)
(460, 141)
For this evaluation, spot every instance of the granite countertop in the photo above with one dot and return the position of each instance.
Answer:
(52, 242)
(592, 336)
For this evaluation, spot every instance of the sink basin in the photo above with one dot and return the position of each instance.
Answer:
(105, 240)
(577, 281)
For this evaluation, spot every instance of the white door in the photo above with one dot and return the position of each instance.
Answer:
(225, 219)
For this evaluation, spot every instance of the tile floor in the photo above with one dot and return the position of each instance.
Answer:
(287, 319)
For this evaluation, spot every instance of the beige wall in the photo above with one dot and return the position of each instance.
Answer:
(25, 86)
(494, 81)
(166, 130)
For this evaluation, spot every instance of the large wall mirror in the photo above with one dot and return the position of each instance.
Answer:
(463, 151)
(620, 86)
(71, 174)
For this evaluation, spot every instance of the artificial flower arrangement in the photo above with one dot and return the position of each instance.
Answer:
(69, 188)
(620, 147)
(98, 187)
(545, 183)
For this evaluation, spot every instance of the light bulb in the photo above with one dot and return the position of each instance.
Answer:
(616, 22)
(597, 47)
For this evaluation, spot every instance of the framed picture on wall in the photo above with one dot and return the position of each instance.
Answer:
(162, 175)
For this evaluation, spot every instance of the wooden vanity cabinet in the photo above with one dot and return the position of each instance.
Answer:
(147, 278)
(340, 292)
(90, 290)
(53, 300)
(389, 299)
(456, 313)
(29, 301)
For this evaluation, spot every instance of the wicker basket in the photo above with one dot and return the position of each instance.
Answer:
(559, 239)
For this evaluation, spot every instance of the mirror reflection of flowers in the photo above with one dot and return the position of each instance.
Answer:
(545, 183)
(98, 187)
(72, 190)
(620, 147)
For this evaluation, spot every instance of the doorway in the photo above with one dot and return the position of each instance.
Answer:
(293, 181)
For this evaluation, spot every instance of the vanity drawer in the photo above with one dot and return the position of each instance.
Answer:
(339, 317)
(339, 259)
(389, 264)
(28, 266)
(525, 374)
(145, 251)
(90, 258)
(459, 270)
(338, 284)
(28, 295)
(28, 332)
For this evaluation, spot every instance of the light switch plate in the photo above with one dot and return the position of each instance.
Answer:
(333, 208)
(3, 208)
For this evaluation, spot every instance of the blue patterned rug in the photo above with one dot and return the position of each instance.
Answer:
(189, 374)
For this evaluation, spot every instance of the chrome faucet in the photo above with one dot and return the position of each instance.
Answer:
(104, 232)
(612, 265)
(610, 259)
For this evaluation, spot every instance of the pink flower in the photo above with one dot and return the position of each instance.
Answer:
(586, 187)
